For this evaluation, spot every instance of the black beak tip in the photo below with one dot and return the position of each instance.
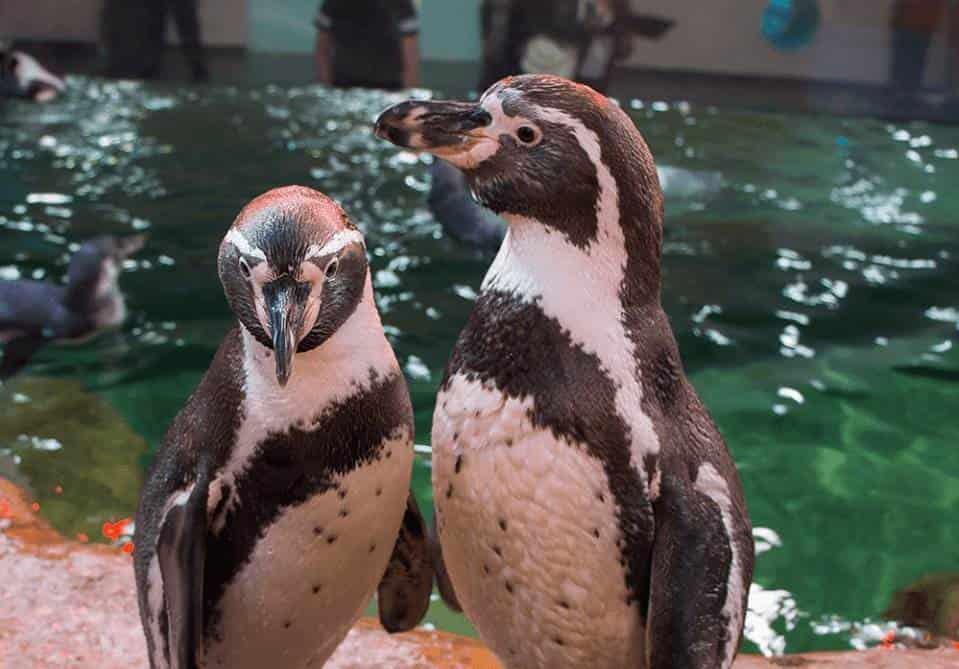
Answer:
(387, 127)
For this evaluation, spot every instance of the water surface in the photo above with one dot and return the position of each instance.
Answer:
(810, 274)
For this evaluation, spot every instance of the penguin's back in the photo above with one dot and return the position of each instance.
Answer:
(33, 308)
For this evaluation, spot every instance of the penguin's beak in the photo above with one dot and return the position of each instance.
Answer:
(285, 306)
(444, 128)
(127, 246)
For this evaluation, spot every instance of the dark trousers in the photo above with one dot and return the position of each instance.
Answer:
(909, 49)
(184, 14)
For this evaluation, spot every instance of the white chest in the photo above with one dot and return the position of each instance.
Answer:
(529, 534)
(314, 570)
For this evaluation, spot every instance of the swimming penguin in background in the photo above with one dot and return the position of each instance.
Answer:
(36, 313)
(280, 494)
(21, 76)
(589, 512)
(467, 221)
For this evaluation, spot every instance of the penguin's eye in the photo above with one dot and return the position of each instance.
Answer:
(331, 268)
(526, 134)
(244, 268)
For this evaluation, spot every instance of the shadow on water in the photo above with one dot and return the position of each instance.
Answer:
(810, 272)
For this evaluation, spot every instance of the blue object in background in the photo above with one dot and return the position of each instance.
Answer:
(790, 24)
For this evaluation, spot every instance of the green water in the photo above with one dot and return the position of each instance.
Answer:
(810, 274)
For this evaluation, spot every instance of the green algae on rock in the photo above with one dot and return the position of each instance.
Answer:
(76, 454)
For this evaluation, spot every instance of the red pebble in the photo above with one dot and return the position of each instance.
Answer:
(35, 506)
(128, 548)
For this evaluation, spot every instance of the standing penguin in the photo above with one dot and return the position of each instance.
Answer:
(272, 509)
(35, 313)
(589, 512)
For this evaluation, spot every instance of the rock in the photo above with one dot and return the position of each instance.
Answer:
(931, 603)
(73, 605)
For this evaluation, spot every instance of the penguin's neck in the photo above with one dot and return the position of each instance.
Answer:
(97, 298)
(343, 365)
(538, 263)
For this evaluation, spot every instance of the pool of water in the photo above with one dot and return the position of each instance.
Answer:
(811, 268)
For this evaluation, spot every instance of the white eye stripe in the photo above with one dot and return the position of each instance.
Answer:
(337, 242)
(243, 244)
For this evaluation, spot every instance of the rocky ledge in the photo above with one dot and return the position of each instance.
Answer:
(71, 604)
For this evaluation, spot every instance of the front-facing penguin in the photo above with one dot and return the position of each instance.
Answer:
(281, 490)
(589, 512)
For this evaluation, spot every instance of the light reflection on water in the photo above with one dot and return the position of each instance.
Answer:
(809, 274)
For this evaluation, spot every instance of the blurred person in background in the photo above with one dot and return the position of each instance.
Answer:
(134, 37)
(576, 39)
(184, 13)
(367, 44)
(21, 76)
(914, 23)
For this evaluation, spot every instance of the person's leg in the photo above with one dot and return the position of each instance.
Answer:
(188, 28)
(914, 23)
(155, 16)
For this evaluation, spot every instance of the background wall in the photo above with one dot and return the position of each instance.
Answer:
(720, 36)
(223, 22)
(281, 26)
(723, 36)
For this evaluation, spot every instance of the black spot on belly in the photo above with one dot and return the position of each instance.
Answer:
(558, 641)
(513, 345)
(379, 491)
(509, 587)
(502, 524)
(372, 547)
(286, 624)
(458, 465)
(344, 513)
(316, 589)
(449, 491)
(291, 467)
(331, 539)
(486, 569)
(596, 532)
(564, 604)
(498, 551)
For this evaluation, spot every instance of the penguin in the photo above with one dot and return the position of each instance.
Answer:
(588, 510)
(278, 501)
(21, 76)
(35, 313)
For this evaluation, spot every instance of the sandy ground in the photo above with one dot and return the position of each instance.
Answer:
(68, 604)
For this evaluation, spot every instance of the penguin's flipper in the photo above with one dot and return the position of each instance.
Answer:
(404, 592)
(17, 353)
(689, 624)
(181, 551)
(443, 582)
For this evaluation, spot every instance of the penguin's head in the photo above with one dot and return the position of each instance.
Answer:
(92, 275)
(532, 147)
(30, 78)
(293, 269)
